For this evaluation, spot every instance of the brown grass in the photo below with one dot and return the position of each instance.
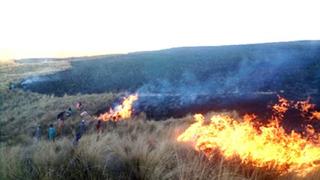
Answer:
(136, 149)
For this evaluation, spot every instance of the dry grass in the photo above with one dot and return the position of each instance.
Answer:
(136, 149)
(21, 112)
(11, 71)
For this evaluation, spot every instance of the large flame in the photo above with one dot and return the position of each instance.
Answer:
(121, 111)
(261, 145)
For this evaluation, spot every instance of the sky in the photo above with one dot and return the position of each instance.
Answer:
(64, 28)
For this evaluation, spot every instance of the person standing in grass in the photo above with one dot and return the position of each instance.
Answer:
(79, 132)
(60, 126)
(79, 106)
(68, 112)
(99, 128)
(37, 134)
(52, 133)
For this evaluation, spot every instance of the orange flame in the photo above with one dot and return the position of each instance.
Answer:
(122, 111)
(265, 146)
(315, 115)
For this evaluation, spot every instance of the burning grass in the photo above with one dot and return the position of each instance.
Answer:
(267, 146)
(141, 149)
(121, 111)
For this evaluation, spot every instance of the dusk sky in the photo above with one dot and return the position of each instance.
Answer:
(63, 28)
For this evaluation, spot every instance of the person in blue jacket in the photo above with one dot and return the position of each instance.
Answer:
(52, 133)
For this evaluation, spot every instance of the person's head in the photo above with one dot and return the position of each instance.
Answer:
(51, 125)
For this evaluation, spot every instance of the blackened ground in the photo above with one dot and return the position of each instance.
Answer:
(291, 67)
(196, 79)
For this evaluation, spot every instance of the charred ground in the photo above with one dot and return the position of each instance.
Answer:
(189, 79)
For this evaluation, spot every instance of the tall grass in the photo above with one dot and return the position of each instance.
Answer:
(136, 149)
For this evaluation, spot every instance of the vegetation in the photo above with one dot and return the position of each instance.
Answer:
(136, 149)
(139, 148)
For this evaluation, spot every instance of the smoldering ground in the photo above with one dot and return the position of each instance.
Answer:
(195, 79)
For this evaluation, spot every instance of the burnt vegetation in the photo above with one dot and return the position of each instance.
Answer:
(171, 83)
(193, 79)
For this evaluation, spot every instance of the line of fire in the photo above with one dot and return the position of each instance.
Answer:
(262, 143)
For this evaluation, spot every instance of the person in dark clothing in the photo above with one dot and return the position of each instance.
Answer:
(114, 121)
(60, 116)
(12, 86)
(68, 112)
(99, 128)
(82, 126)
(79, 132)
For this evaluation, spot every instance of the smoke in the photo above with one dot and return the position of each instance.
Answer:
(36, 79)
(258, 77)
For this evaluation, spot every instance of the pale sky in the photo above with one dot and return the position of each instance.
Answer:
(60, 28)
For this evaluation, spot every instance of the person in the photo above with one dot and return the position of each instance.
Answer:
(68, 112)
(79, 106)
(84, 113)
(82, 126)
(60, 115)
(60, 126)
(77, 138)
(114, 121)
(79, 132)
(37, 134)
(51, 133)
(11, 86)
(99, 128)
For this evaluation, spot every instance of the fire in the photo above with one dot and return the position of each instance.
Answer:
(121, 111)
(316, 115)
(261, 145)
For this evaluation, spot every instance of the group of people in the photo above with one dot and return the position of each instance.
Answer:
(80, 129)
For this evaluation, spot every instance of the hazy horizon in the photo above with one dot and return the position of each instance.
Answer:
(57, 29)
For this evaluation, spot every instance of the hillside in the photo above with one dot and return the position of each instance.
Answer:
(172, 85)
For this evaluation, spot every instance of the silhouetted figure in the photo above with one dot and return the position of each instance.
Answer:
(99, 128)
(60, 115)
(114, 121)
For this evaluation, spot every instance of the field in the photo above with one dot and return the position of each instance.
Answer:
(139, 148)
